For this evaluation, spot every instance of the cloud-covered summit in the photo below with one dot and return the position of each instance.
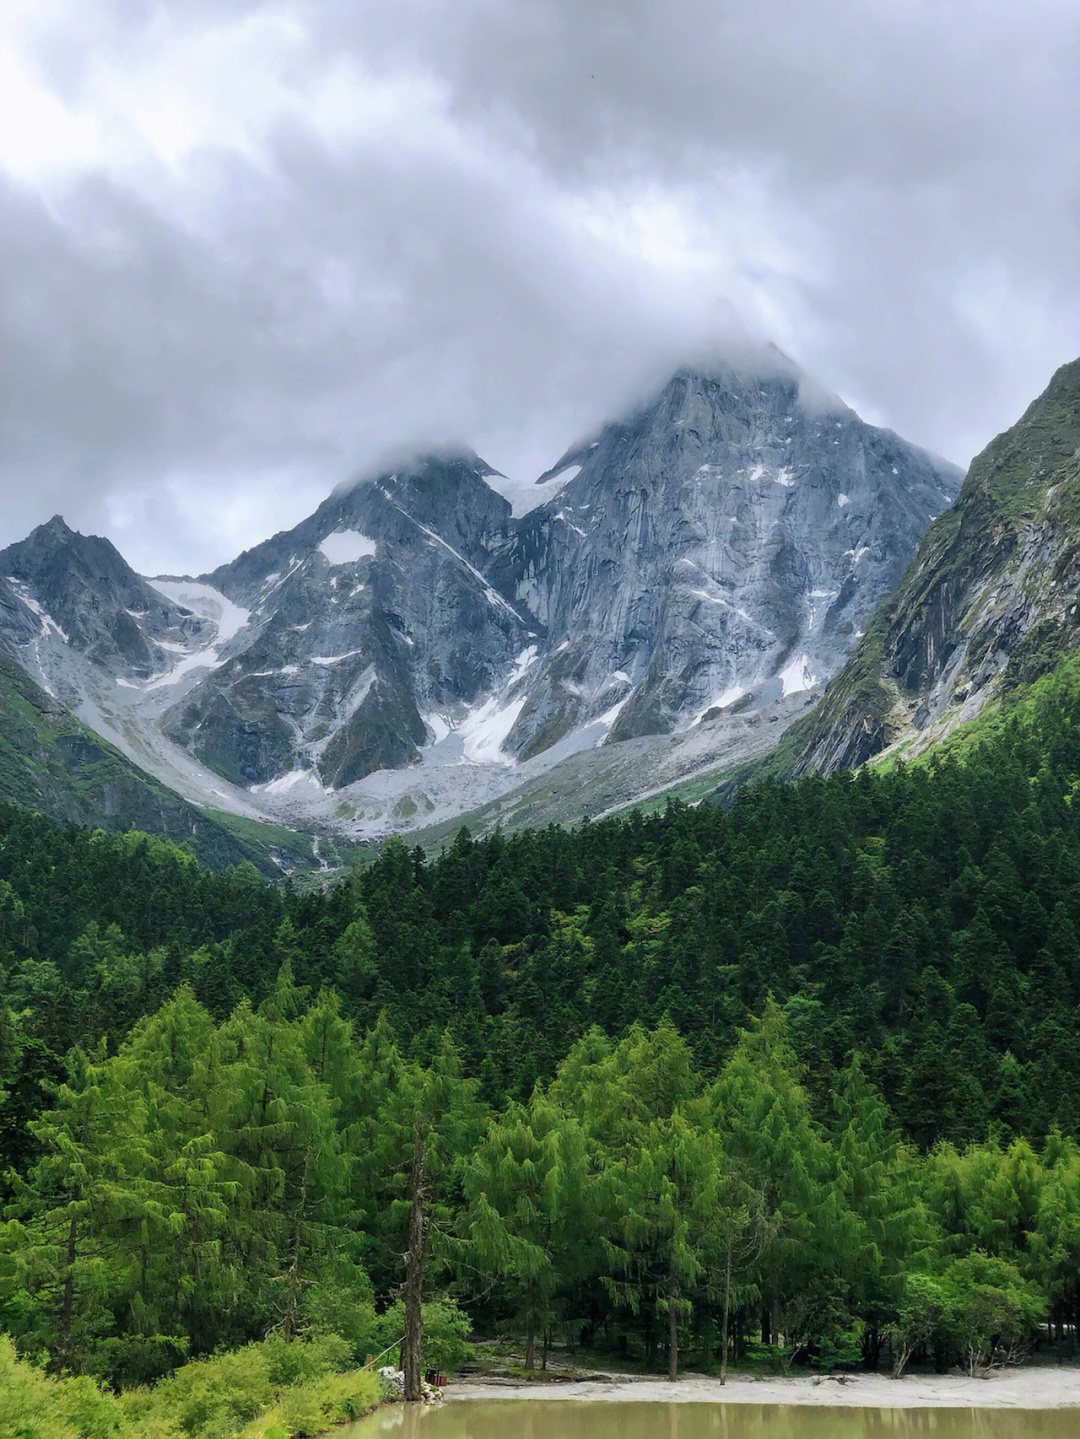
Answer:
(245, 248)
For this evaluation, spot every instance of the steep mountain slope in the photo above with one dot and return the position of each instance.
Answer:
(18, 624)
(728, 540)
(51, 762)
(989, 604)
(364, 622)
(81, 591)
(411, 651)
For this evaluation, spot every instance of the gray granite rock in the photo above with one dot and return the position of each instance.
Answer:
(728, 540)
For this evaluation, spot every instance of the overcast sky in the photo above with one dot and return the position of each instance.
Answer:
(246, 248)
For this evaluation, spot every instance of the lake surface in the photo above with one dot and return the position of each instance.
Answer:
(599, 1419)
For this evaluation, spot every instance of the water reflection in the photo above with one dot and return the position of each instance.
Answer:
(607, 1419)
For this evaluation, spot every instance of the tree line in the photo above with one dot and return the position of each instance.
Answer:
(212, 1182)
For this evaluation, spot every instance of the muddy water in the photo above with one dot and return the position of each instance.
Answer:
(599, 1419)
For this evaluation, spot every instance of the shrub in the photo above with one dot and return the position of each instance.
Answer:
(994, 1310)
(271, 1390)
(35, 1406)
(921, 1318)
(446, 1333)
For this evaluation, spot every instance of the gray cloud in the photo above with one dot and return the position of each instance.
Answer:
(279, 240)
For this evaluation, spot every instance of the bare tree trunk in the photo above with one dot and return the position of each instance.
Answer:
(530, 1327)
(673, 1339)
(288, 1324)
(413, 1346)
(901, 1355)
(67, 1307)
(727, 1314)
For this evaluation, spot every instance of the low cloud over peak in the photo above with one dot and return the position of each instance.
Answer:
(247, 248)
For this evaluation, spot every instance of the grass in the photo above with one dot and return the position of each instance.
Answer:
(690, 791)
(293, 845)
(1020, 706)
(52, 763)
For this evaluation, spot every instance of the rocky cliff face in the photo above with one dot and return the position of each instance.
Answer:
(18, 623)
(78, 589)
(724, 545)
(717, 551)
(989, 604)
(365, 625)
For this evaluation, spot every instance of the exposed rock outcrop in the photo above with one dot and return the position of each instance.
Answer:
(990, 603)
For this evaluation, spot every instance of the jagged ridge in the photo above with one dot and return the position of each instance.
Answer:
(718, 549)
(729, 540)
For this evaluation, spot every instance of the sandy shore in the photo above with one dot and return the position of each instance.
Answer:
(1034, 1387)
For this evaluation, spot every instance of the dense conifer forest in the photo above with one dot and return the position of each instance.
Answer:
(792, 1079)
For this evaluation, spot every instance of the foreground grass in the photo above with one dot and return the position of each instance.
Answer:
(271, 1390)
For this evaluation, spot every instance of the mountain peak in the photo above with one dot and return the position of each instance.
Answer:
(724, 543)
(48, 534)
(762, 371)
(56, 543)
(714, 552)
(450, 491)
(84, 592)
(421, 466)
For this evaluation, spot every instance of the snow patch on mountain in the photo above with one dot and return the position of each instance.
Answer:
(297, 781)
(346, 547)
(608, 718)
(478, 736)
(697, 559)
(334, 659)
(209, 604)
(206, 602)
(486, 729)
(48, 624)
(722, 701)
(530, 496)
(522, 662)
(796, 676)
